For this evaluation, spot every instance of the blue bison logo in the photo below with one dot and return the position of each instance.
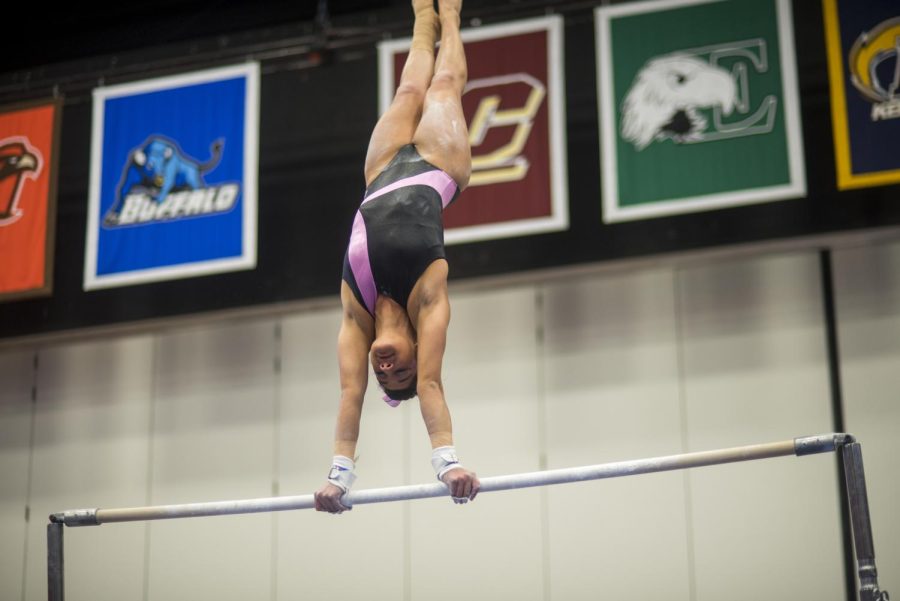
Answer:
(160, 181)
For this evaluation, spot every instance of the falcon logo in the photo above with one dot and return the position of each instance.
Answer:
(18, 160)
(685, 96)
(161, 183)
(874, 64)
(505, 163)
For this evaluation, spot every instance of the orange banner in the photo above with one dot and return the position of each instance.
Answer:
(28, 148)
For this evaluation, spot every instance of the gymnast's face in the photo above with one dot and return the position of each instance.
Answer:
(393, 359)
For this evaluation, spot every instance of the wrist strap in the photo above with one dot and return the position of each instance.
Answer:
(444, 459)
(341, 473)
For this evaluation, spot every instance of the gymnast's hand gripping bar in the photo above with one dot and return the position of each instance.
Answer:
(809, 445)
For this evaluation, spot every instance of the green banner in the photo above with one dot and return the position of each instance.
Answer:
(698, 106)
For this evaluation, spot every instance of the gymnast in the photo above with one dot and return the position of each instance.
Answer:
(394, 284)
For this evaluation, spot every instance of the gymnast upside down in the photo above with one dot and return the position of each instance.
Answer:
(394, 286)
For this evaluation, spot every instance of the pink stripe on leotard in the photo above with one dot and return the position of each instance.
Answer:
(358, 252)
(439, 181)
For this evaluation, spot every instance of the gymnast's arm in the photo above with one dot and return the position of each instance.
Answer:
(354, 340)
(432, 322)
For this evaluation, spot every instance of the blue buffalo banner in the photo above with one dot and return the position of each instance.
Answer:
(173, 178)
(863, 38)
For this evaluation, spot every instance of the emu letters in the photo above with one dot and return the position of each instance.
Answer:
(698, 106)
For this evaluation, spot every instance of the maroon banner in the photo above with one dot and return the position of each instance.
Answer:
(514, 107)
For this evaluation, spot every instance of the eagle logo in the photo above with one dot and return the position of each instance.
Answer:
(18, 160)
(665, 99)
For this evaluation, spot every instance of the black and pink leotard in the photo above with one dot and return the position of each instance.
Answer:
(398, 231)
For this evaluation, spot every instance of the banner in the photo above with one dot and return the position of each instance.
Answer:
(173, 178)
(698, 106)
(29, 148)
(863, 40)
(514, 103)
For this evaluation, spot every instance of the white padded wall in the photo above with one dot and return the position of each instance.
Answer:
(572, 372)
(492, 547)
(612, 394)
(213, 439)
(867, 290)
(755, 370)
(357, 555)
(91, 434)
(16, 374)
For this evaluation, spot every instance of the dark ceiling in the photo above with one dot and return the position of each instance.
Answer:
(73, 30)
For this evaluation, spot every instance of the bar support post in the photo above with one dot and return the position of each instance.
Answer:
(861, 522)
(55, 574)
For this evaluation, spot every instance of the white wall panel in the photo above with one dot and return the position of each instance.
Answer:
(755, 370)
(490, 380)
(612, 394)
(357, 555)
(91, 428)
(575, 372)
(213, 431)
(867, 285)
(16, 375)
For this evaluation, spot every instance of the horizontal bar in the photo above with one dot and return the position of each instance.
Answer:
(799, 446)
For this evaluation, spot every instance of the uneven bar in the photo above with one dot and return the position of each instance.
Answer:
(822, 443)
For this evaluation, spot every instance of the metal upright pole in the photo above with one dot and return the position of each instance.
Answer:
(55, 574)
(862, 525)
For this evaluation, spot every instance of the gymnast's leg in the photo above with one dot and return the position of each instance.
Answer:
(442, 137)
(397, 125)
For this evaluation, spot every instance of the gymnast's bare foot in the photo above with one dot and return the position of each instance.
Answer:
(447, 6)
(424, 10)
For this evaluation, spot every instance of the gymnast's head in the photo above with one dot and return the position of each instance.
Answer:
(393, 357)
